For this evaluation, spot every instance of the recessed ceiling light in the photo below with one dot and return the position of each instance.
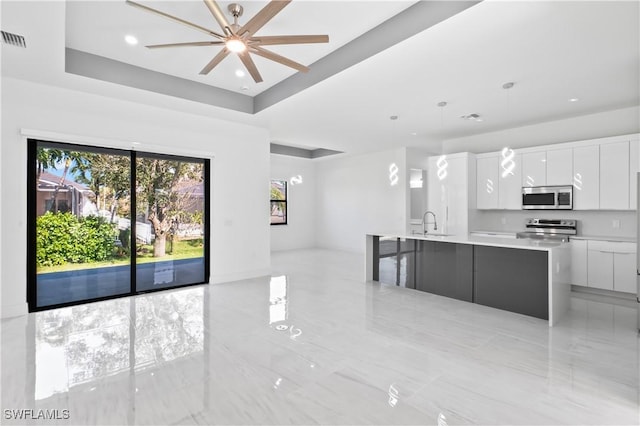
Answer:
(573, 99)
(414, 134)
(244, 88)
(240, 73)
(132, 40)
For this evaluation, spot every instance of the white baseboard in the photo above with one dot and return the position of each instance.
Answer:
(225, 278)
(16, 310)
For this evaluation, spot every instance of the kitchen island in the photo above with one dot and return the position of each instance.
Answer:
(530, 277)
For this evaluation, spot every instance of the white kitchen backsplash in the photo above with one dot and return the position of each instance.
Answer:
(591, 223)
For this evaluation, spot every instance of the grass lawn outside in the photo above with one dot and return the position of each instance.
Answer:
(185, 249)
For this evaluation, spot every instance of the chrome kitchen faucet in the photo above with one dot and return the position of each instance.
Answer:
(425, 223)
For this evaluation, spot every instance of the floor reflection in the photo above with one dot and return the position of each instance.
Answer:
(124, 350)
(315, 345)
(79, 344)
(168, 328)
(278, 307)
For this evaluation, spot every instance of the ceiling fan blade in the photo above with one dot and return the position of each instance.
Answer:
(289, 39)
(277, 58)
(219, 16)
(264, 16)
(175, 19)
(215, 61)
(193, 43)
(251, 66)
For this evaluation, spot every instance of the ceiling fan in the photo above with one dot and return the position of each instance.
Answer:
(240, 40)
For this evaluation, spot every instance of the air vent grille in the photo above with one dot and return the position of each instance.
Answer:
(13, 39)
(472, 117)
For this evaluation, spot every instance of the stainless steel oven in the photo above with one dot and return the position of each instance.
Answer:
(549, 229)
(547, 198)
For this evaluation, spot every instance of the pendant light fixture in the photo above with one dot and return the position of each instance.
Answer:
(393, 167)
(442, 163)
(507, 164)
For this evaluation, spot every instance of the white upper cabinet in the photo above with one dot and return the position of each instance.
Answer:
(534, 168)
(603, 173)
(510, 178)
(487, 182)
(586, 177)
(560, 167)
(456, 220)
(448, 196)
(634, 168)
(437, 188)
(614, 176)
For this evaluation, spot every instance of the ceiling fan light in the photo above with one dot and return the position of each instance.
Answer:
(235, 45)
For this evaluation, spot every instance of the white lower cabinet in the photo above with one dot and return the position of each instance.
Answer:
(611, 265)
(579, 262)
(600, 268)
(624, 272)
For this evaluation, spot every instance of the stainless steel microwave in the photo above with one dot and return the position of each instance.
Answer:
(547, 198)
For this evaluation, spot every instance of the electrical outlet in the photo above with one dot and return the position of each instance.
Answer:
(615, 223)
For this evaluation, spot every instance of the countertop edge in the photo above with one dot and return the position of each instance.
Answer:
(523, 244)
(572, 237)
(601, 238)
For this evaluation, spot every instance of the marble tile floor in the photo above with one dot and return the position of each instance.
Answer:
(313, 344)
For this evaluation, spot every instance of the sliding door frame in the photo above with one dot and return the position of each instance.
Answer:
(32, 272)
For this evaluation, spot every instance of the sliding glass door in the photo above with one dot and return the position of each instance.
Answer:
(169, 221)
(105, 223)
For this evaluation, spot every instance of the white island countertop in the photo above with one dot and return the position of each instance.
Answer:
(494, 241)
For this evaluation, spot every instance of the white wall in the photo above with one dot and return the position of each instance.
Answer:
(611, 123)
(299, 232)
(355, 197)
(239, 176)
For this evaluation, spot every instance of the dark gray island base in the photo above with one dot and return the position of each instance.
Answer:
(515, 280)
(515, 276)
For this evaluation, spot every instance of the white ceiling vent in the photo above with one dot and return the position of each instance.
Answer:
(13, 39)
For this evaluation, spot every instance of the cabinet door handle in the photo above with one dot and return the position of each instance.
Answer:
(617, 252)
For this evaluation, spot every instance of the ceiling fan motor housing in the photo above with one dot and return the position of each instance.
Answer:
(235, 9)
